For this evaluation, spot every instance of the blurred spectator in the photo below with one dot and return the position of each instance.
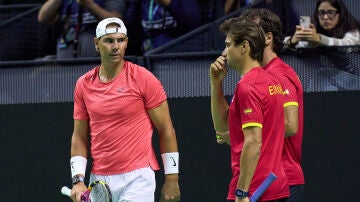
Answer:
(135, 32)
(333, 26)
(232, 5)
(282, 8)
(165, 20)
(78, 20)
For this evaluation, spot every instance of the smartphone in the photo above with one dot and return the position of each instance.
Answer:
(305, 21)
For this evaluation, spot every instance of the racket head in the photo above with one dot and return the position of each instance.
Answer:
(98, 191)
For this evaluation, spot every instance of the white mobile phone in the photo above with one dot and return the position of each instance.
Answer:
(305, 21)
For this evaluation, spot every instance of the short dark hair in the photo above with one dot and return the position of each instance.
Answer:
(270, 22)
(240, 30)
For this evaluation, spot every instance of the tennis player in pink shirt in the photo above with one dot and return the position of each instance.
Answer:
(117, 105)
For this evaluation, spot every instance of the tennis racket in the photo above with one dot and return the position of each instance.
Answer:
(262, 188)
(98, 191)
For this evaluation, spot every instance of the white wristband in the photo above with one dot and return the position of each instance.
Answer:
(171, 162)
(78, 165)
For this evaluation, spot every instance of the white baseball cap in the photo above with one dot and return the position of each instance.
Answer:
(101, 29)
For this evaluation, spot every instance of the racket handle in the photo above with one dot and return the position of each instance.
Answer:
(262, 188)
(66, 191)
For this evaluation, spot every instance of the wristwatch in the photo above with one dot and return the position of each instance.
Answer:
(241, 193)
(76, 179)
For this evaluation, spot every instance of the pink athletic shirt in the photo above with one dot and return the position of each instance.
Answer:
(120, 127)
(294, 96)
(258, 101)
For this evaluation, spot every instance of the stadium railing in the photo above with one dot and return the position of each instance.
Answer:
(326, 69)
(47, 81)
(182, 74)
(182, 70)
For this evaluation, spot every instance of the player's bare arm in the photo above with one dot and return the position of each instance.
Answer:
(219, 106)
(291, 120)
(160, 116)
(79, 147)
(249, 156)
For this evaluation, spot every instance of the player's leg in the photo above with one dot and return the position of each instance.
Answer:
(115, 183)
(141, 186)
(133, 186)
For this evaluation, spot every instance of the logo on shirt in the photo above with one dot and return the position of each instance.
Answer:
(121, 90)
(286, 92)
(275, 89)
(174, 163)
(247, 111)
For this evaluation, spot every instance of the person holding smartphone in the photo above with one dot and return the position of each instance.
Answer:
(333, 26)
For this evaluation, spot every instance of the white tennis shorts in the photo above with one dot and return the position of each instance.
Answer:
(134, 186)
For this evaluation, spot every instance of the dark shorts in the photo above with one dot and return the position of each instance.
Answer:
(296, 193)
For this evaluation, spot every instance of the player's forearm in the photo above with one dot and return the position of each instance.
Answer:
(78, 160)
(169, 154)
(248, 162)
(78, 146)
(48, 13)
(168, 142)
(219, 108)
(290, 128)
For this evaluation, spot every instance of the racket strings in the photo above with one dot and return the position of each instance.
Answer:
(100, 193)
